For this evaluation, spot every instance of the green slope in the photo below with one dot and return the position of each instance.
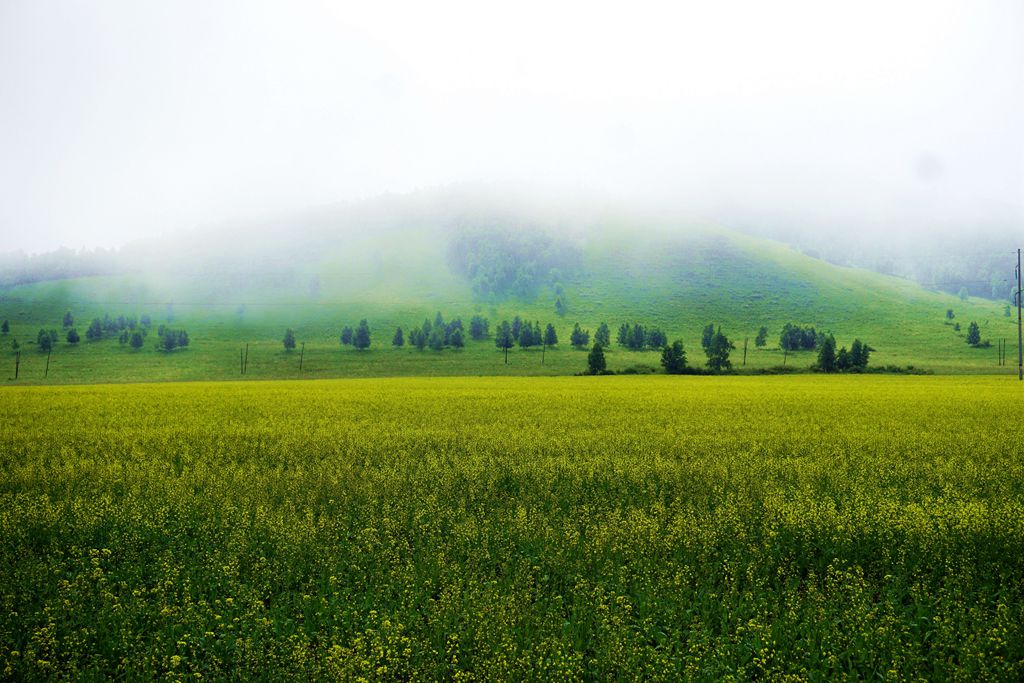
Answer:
(631, 270)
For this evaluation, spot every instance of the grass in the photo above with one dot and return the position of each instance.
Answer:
(514, 528)
(673, 281)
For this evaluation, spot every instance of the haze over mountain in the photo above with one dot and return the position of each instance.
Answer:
(854, 123)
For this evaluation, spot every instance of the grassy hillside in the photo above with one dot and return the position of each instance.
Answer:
(631, 270)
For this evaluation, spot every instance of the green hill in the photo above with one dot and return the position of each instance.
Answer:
(391, 263)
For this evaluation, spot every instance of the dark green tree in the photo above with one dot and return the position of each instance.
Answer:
(73, 337)
(622, 336)
(827, 354)
(136, 340)
(68, 320)
(559, 307)
(673, 358)
(346, 335)
(398, 339)
(438, 320)
(455, 339)
(717, 352)
(843, 360)
(361, 339)
(517, 327)
(580, 337)
(44, 341)
(603, 336)
(289, 339)
(595, 360)
(5, 327)
(762, 337)
(949, 314)
(707, 336)
(478, 328)
(973, 334)
(550, 336)
(417, 338)
(95, 330)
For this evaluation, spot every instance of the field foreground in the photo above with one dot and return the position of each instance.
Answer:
(514, 528)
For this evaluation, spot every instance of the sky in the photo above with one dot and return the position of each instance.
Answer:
(122, 119)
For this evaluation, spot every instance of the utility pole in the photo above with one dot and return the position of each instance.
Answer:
(745, 350)
(302, 354)
(241, 362)
(46, 373)
(17, 363)
(542, 350)
(1020, 334)
(245, 363)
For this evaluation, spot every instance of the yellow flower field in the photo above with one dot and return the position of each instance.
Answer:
(657, 528)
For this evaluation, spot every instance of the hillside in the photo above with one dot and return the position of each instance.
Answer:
(391, 263)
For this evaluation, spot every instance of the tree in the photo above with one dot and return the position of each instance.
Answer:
(580, 337)
(595, 360)
(551, 337)
(136, 340)
(123, 338)
(827, 354)
(673, 358)
(1006, 310)
(656, 339)
(478, 328)
(963, 294)
(859, 353)
(603, 335)
(68, 320)
(707, 336)
(436, 339)
(146, 322)
(622, 336)
(503, 337)
(73, 337)
(717, 351)
(289, 339)
(5, 327)
(843, 360)
(526, 336)
(455, 339)
(346, 335)
(973, 334)
(95, 330)
(517, 327)
(956, 327)
(44, 340)
(559, 307)
(361, 340)
(949, 314)
(398, 339)
(438, 320)
(762, 337)
(417, 338)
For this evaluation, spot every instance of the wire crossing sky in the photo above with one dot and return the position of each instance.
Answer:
(125, 119)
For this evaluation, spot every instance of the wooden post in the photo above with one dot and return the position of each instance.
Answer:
(302, 353)
(245, 363)
(46, 373)
(543, 349)
(745, 350)
(17, 363)
(506, 353)
(241, 362)
(785, 355)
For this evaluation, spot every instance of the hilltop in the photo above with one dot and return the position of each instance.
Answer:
(399, 260)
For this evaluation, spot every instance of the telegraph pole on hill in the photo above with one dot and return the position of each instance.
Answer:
(1020, 333)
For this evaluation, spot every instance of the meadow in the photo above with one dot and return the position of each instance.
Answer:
(663, 528)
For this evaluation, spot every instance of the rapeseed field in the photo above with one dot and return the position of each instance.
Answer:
(655, 528)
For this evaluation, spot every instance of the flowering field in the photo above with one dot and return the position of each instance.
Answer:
(514, 528)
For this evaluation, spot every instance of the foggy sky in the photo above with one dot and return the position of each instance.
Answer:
(124, 119)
